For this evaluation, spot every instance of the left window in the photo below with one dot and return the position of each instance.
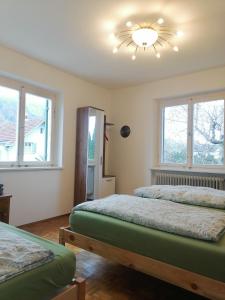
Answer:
(26, 126)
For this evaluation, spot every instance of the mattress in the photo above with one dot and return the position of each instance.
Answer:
(202, 257)
(43, 282)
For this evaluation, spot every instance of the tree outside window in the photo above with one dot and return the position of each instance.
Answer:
(199, 135)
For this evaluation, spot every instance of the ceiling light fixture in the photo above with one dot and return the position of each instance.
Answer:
(146, 36)
(179, 33)
(115, 50)
(129, 24)
(175, 48)
(160, 21)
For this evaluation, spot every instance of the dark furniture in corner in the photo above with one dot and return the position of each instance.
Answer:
(5, 208)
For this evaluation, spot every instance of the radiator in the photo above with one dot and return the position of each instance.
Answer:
(163, 178)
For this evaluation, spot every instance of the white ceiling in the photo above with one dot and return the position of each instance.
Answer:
(74, 35)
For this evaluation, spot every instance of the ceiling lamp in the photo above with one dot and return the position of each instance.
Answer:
(146, 36)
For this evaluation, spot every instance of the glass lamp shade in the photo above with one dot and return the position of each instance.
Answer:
(144, 37)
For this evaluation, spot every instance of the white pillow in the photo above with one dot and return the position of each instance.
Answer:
(202, 196)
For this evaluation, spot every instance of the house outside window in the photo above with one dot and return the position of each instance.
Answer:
(27, 116)
(192, 132)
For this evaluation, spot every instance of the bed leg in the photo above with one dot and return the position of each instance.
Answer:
(61, 236)
(81, 288)
(73, 291)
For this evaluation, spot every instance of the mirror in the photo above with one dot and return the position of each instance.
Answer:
(89, 153)
(94, 149)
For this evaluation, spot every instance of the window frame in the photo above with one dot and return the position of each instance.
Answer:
(190, 101)
(24, 88)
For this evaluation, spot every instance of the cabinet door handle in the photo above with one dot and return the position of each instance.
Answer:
(108, 180)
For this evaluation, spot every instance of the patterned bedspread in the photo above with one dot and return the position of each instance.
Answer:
(187, 220)
(18, 255)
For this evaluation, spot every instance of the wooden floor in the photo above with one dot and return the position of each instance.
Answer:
(109, 281)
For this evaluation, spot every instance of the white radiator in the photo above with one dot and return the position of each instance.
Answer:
(163, 178)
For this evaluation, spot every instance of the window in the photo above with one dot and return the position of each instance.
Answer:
(175, 134)
(9, 118)
(26, 125)
(208, 133)
(37, 128)
(192, 132)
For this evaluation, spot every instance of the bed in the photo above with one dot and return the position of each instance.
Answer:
(53, 280)
(196, 265)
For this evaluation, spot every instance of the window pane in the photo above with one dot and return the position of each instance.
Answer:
(37, 135)
(175, 134)
(9, 111)
(208, 141)
(91, 137)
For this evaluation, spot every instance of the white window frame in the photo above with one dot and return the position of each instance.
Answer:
(24, 88)
(190, 101)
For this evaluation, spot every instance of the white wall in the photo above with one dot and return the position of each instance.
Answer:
(43, 194)
(137, 107)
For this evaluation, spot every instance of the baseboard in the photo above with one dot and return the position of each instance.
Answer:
(44, 220)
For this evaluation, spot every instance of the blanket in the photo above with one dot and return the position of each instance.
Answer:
(18, 255)
(186, 220)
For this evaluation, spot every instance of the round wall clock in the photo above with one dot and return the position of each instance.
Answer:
(125, 131)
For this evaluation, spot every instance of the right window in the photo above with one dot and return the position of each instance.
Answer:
(192, 132)
(208, 133)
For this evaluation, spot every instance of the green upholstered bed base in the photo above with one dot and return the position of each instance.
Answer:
(202, 257)
(43, 282)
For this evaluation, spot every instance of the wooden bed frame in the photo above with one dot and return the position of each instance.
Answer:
(188, 280)
(74, 291)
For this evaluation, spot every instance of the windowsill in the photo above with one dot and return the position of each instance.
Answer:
(188, 170)
(12, 169)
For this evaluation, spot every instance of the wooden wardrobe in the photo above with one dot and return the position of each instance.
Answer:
(90, 179)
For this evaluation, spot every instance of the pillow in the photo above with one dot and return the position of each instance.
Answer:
(202, 196)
